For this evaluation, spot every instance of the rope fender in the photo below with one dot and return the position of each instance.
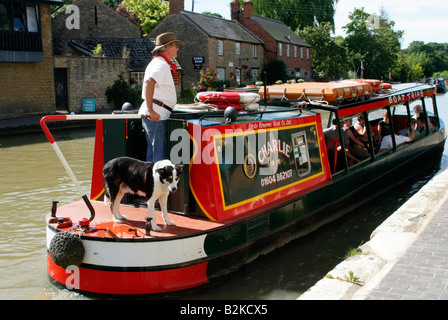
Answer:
(66, 249)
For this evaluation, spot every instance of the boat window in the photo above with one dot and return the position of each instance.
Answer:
(426, 106)
(301, 155)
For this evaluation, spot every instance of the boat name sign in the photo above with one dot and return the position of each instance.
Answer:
(406, 97)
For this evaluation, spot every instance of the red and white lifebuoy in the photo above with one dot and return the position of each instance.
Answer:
(238, 100)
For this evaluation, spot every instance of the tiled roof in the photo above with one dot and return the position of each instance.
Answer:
(140, 50)
(279, 31)
(221, 28)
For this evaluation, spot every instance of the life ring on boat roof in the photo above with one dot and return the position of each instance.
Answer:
(66, 249)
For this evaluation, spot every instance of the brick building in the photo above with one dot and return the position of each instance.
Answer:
(79, 73)
(26, 58)
(280, 42)
(224, 45)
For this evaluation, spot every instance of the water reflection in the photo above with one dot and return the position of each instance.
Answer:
(31, 176)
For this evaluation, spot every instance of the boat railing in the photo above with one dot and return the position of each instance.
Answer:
(77, 117)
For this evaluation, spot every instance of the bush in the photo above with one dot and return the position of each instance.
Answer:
(208, 79)
(121, 92)
(275, 71)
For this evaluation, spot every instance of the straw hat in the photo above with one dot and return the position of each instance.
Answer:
(165, 39)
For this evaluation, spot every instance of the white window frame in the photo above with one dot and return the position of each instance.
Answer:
(254, 73)
(238, 48)
(295, 51)
(254, 51)
(221, 74)
(220, 48)
(280, 49)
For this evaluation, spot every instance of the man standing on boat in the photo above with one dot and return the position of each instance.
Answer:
(159, 93)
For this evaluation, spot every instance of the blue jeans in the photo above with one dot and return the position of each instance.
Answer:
(156, 137)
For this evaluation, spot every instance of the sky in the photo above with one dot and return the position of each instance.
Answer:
(421, 20)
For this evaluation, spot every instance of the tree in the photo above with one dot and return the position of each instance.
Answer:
(150, 12)
(297, 14)
(432, 57)
(374, 43)
(329, 55)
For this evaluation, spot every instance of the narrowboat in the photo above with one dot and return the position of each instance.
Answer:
(252, 182)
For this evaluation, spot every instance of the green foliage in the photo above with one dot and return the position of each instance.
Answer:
(275, 71)
(297, 14)
(150, 12)
(188, 95)
(121, 92)
(208, 13)
(432, 57)
(377, 45)
(329, 56)
(208, 79)
(98, 51)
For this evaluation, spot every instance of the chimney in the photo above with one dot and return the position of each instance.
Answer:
(248, 8)
(234, 10)
(176, 6)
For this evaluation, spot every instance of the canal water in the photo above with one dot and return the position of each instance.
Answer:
(31, 177)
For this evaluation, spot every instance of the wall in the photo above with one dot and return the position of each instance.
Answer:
(87, 76)
(244, 58)
(196, 44)
(28, 88)
(96, 21)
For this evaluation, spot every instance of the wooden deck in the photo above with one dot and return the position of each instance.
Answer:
(134, 227)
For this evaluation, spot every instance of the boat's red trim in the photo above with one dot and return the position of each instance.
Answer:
(43, 124)
(393, 99)
(97, 188)
(122, 283)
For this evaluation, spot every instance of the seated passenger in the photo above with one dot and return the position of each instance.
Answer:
(433, 124)
(356, 148)
(361, 129)
(384, 128)
(361, 133)
(420, 130)
(417, 111)
(331, 134)
(387, 143)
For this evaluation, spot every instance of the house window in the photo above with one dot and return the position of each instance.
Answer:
(254, 51)
(20, 31)
(238, 76)
(287, 50)
(238, 48)
(301, 52)
(5, 24)
(220, 48)
(221, 74)
(31, 19)
(254, 73)
(280, 47)
(137, 79)
(308, 53)
(295, 51)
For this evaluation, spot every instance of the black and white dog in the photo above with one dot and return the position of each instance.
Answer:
(152, 180)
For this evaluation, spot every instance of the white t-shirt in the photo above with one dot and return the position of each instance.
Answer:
(386, 143)
(164, 91)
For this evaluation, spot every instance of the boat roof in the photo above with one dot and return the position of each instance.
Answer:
(400, 93)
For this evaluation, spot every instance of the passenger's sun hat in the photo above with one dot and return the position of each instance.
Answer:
(165, 39)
